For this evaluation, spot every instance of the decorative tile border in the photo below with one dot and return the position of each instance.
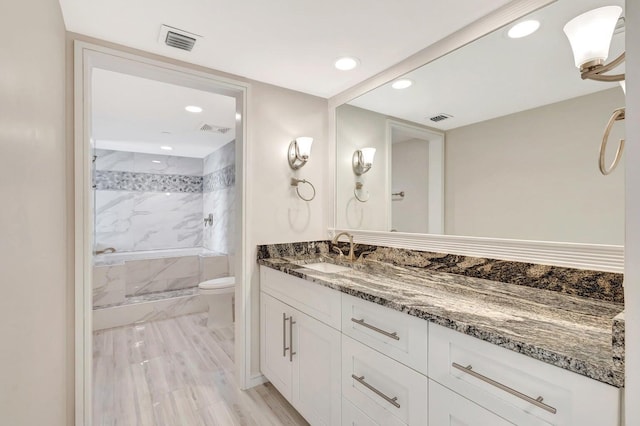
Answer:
(220, 179)
(107, 180)
(606, 286)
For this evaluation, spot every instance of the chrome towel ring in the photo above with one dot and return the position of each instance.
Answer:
(295, 182)
(358, 188)
(617, 115)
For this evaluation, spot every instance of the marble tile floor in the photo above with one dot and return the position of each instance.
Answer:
(177, 372)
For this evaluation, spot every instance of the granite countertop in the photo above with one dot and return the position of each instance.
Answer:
(571, 332)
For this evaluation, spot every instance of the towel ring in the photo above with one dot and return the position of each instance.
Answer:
(617, 115)
(295, 182)
(358, 187)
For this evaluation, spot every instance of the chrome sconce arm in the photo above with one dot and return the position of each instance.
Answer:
(617, 115)
(596, 70)
(295, 182)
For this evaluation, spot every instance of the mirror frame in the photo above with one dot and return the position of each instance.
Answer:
(599, 257)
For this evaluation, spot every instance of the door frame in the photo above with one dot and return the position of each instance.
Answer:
(86, 57)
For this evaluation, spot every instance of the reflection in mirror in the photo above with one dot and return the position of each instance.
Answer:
(499, 138)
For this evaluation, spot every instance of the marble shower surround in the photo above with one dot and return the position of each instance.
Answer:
(147, 201)
(570, 332)
(219, 199)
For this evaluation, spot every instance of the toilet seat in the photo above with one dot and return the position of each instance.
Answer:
(223, 285)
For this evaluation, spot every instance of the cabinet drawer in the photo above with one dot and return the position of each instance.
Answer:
(476, 370)
(447, 408)
(353, 416)
(398, 335)
(321, 303)
(381, 387)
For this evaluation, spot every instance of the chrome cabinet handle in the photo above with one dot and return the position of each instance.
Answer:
(392, 401)
(284, 335)
(291, 352)
(361, 322)
(537, 401)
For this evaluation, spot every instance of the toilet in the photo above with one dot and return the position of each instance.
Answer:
(218, 293)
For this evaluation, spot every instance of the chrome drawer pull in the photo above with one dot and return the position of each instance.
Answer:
(393, 335)
(537, 401)
(392, 401)
(285, 348)
(291, 352)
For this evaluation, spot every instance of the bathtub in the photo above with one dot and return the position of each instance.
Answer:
(135, 287)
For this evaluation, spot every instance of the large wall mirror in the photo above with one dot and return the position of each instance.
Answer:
(499, 138)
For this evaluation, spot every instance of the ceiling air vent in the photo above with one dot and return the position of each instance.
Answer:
(180, 39)
(204, 127)
(440, 117)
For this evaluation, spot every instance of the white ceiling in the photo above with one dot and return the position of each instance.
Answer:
(288, 43)
(495, 75)
(132, 114)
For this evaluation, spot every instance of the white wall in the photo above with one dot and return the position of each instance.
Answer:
(275, 213)
(410, 173)
(534, 175)
(632, 234)
(36, 375)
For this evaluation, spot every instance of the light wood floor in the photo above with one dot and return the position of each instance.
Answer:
(177, 372)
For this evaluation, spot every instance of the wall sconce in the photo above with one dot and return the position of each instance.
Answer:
(362, 160)
(299, 152)
(590, 37)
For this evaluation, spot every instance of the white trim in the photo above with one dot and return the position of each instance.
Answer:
(435, 140)
(86, 57)
(598, 257)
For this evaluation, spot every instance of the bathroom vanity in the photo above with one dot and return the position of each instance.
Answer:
(377, 343)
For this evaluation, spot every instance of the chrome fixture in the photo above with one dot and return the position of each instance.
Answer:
(295, 182)
(104, 251)
(299, 152)
(350, 257)
(535, 401)
(590, 36)
(362, 160)
(393, 401)
(208, 220)
(361, 322)
(357, 189)
(398, 194)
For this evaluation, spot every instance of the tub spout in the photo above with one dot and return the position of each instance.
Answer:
(107, 250)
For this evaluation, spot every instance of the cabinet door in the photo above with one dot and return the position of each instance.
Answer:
(274, 341)
(316, 370)
(447, 408)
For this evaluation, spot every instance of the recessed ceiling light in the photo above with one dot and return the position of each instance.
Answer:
(166, 148)
(346, 63)
(193, 108)
(156, 161)
(523, 29)
(402, 83)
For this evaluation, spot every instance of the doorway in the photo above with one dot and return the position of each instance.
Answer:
(416, 178)
(92, 60)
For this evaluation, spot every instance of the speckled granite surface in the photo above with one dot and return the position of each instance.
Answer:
(574, 333)
(617, 339)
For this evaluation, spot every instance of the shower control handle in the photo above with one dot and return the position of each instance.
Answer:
(208, 220)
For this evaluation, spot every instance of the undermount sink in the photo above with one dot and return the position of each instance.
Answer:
(329, 268)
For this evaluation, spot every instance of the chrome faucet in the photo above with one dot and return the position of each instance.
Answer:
(107, 250)
(351, 257)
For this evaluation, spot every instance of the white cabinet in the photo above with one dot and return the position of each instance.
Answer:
(382, 387)
(301, 357)
(447, 408)
(520, 389)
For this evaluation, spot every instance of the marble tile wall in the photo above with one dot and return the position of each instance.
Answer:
(219, 199)
(148, 202)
